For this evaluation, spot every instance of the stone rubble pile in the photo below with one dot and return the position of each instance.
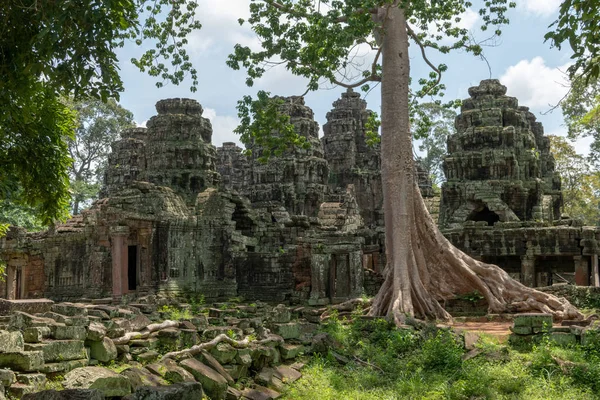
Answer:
(101, 350)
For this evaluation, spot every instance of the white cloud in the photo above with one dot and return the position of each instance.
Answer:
(141, 124)
(220, 27)
(540, 7)
(535, 84)
(223, 126)
(468, 19)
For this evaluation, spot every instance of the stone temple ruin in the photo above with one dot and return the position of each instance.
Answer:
(178, 215)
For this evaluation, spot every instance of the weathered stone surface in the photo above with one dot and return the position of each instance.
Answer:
(139, 377)
(224, 353)
(35, 334)
(103, 351)
(68, 394)
(69, 332)
(7, 377)
(212, 362)
(96, 332)
(212, 382)
(179, 391)
(63, 366)
(30, 306)
(260, 393)
(70, 309)
(59, 350)
(22, 360)
(109, 383)
(11, 342)
(290, 351)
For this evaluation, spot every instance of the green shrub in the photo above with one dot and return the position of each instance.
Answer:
(442, 352)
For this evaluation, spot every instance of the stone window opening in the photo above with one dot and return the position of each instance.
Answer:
(484, 214)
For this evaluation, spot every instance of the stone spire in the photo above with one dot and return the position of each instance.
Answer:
(179, 152)
(498, 167)
(126, 163)
(298, 178)
(351, 160)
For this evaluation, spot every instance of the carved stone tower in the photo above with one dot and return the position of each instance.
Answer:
(499, 166)
(179, 153)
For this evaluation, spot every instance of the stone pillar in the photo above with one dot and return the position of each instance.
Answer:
(582, 272)
(528, 271)
(11, 286)
(595, 273)
(118, 238)
(319, 267)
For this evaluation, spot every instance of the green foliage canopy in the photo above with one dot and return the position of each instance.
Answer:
(54, 48)
(316, 40)
(578, 24)
(580, 183)
(98, 125)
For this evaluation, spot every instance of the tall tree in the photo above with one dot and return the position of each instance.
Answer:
(432, 124)
(314, 40)
(580, 183)
(98, 125)
(52, 48)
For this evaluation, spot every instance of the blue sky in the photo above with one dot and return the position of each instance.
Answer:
(521, 60)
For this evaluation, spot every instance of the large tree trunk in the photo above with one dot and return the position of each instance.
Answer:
(423, 267)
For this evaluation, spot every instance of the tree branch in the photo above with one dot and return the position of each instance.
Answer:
(415, 37)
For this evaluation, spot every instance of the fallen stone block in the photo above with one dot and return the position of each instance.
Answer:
(21, 320)
(179, 391)
(11, 342)
(30, 306)
(59, 350)
(260, 393)
(63, 366)
(70, 309)
(68, 394)
(108, 382)
(22, 360)
(290, 330)
(290, 351)
(96, 332)
(212, 362)
(212, 382)
(140, 376)
(7, 377)
(103, 351)
(60, 332)
(36, 334)
(169, 370)
(224, 353)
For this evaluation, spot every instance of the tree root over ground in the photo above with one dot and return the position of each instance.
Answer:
(439, 271)
(222, 338)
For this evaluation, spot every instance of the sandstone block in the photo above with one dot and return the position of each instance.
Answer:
(103, 351)
(11, 342)
(22, 360)
(59, 350)
(109, 383)
(212, 382)
(69, 332)
(180, 391)
(68, 394)
(139, 377)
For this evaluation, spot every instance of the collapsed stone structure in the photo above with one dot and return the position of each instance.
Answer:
(178, 215)
(501, 201)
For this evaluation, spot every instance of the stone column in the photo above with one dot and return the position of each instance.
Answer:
(595, 273)
(11, 287)
(319, 267)
(118, 239)
(528, 271)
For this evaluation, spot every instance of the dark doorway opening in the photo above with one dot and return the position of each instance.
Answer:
(484, 214)
(132, 267)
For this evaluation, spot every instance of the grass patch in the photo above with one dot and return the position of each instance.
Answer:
(387, 363)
